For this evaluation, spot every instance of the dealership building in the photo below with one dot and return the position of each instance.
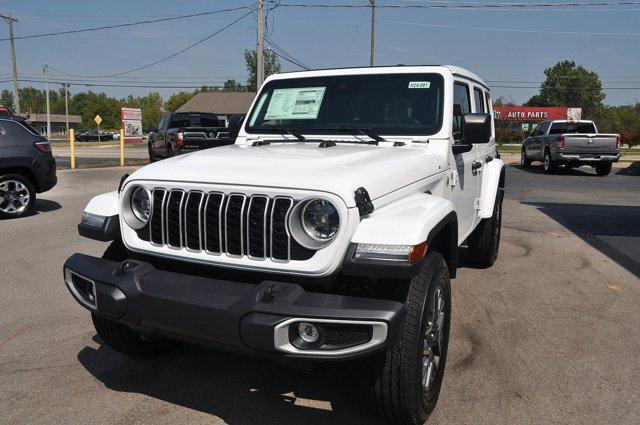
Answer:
(524, 118)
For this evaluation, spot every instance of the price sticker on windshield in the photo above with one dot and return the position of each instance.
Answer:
(419, 84)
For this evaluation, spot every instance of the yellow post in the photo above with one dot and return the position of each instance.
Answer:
(122, 147)
(72, 143)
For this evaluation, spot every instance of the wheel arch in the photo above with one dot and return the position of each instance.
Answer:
(24, 171)
(493, 180)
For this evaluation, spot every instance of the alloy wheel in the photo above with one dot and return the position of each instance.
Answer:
(432, 343)
(14, 197)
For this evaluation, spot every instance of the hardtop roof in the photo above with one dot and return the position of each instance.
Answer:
(407, 69)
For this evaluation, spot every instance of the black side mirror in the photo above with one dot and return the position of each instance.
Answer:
(235, 123)
(476, 128)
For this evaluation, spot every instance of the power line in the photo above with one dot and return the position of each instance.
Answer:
(284, 54)
(115, 85)
(129, 24)
(159, 60)
(463, 5)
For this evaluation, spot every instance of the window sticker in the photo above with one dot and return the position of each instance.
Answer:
(295, 104)
(419, 84)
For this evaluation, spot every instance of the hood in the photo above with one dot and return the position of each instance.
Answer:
(339, 169)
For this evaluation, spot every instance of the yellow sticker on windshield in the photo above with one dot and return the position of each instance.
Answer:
(419, 84)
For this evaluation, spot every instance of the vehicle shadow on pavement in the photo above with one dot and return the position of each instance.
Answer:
(535, 169)
(42, 206)
(631, 170)
(613, 230)
(236, 388)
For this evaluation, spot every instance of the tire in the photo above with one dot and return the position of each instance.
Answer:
(397, 378)
(120, 337)
(524, 161)
(484, 242)
(17, 196)
(603, 169)
(548, 165)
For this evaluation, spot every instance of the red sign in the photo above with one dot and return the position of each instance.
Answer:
(530, 113)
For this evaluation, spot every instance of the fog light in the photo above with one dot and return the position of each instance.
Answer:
(308, 332)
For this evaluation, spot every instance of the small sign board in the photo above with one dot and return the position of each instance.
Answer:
(132, 124)
(98, 119)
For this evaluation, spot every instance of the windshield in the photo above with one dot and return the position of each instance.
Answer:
(572, 127)
(389, 104)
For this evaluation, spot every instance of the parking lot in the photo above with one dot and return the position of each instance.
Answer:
(550, 334)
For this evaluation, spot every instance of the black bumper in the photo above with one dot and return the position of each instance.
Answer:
(223, 313)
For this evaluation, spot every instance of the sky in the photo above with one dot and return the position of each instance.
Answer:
(500, 45)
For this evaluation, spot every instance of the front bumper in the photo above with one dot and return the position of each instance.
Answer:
(258, 318)
(586, 157)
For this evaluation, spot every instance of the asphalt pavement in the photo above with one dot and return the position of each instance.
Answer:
(550, 334)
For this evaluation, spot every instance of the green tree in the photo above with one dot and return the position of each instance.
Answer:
(568, 84)
(152, 111)
(6, 99)
(176, 100)
(233, 86)
(271, 66)
(32, 100)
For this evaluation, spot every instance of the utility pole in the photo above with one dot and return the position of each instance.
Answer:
(16, 96)
(46, 88)
(66, 107)
(260, 56)
(373, 30)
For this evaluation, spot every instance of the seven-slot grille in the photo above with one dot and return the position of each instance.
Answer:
(234, 224)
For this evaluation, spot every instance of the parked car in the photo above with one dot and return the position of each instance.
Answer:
(328, 231)
(570, 144)
(181, 132)
(27, 166)
(94, 136)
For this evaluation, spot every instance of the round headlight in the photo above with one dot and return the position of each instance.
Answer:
(141, 204)
(320, 220)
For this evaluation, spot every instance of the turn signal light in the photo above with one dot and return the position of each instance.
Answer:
(180, 139)
(401, 253)
(618, 142)
(560, 142)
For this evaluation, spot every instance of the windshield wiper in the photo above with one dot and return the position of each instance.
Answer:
(366, 131)
(292, 131)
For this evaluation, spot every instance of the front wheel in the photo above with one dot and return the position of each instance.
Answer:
(408, 377)
(603, 169)
(524, 160)
(17, 196)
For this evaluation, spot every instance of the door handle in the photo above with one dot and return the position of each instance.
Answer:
(476, 165)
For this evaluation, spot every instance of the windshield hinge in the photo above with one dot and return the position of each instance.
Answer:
(452, 179)
(327, 144)
(363, 201)
(261, 143)
(477, 203)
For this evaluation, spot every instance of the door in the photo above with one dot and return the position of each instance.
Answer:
(466, 178)
(158, 136)
(537, 141)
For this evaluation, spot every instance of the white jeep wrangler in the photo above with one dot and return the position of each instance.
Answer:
(328, 231)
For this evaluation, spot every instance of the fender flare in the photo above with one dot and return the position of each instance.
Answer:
(493, 179)
(105, 205)
(418, 218)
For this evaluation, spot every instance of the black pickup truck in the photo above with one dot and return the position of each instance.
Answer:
(182, 132)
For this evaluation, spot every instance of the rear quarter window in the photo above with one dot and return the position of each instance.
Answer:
(13, 133)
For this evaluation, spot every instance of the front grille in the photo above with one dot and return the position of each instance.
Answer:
(234, 224)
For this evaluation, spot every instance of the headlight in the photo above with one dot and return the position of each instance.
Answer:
(137, 208)
(141, 204)
(320, 220)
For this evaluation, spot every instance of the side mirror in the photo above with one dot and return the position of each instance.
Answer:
(235, 123)
(476, 128)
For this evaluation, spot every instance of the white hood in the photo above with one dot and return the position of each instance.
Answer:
(340, 169)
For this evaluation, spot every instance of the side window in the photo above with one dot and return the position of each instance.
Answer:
(161, 123)
(461, 106)
(542, 130)
(479, 101)
(536, 130)
(487, 101)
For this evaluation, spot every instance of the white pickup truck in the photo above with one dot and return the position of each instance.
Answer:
(571, 144)
(328, 231)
